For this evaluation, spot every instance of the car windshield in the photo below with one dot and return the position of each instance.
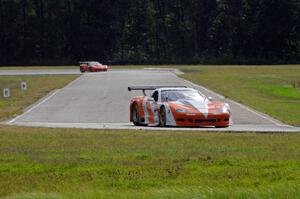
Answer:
(93, 63)
(175, 95)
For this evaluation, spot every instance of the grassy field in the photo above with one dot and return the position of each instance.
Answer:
(66, 163)
(38, 86)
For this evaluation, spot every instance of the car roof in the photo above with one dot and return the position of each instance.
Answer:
(173, 89)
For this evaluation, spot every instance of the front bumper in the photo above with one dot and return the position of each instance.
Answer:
(217, 120)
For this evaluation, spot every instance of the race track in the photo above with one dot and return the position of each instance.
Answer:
(101, 101)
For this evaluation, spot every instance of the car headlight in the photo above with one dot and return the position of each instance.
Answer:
(224, 109)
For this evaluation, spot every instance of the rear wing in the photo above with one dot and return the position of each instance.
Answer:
(148, 88)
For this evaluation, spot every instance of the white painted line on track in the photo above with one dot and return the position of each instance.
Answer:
(40, 103)
(33, 107)
(278, 123)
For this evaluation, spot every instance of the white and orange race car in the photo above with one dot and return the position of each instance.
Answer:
(177, 106)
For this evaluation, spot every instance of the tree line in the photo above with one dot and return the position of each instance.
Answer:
(51, 32)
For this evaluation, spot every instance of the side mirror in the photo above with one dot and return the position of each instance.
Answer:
(210, 98)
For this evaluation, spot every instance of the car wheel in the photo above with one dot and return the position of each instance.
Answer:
(162, 116)
(135, 115)
(81, 70)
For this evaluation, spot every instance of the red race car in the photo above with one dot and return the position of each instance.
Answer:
(92, 66)
(177, 106)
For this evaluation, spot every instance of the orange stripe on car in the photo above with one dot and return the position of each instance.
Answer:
(150, 113)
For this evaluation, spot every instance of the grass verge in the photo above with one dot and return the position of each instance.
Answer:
(38, 86)
(74, 163)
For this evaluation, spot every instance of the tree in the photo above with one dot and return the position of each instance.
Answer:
(149, 31)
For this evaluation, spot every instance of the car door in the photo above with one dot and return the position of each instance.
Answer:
(152, 109)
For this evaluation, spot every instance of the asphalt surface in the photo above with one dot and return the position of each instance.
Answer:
(101, 101)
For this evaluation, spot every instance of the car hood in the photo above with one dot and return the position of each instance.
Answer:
(195, 104)
(204, 107)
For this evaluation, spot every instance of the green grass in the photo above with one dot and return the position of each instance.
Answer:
(38, 86)
(73, 163)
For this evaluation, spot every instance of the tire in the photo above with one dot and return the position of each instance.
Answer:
(135, 115)
(162, 117)
(82, 70)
